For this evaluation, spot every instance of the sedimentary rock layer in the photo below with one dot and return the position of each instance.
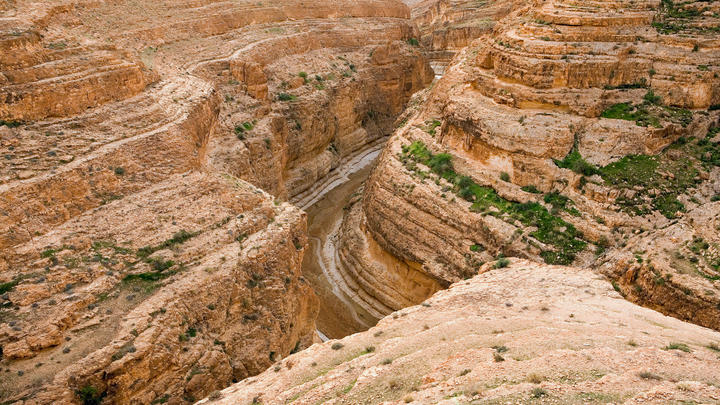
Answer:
(522, 333)
(447, 26)
(579, 133)
(172, 292)
(137, 262)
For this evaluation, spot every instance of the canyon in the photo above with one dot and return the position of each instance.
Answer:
(438, 201)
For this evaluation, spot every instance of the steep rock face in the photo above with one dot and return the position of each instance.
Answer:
(319, 107)
(137, 261)
(447, 26)
(185, 298)
(527, 332)
(564, 141)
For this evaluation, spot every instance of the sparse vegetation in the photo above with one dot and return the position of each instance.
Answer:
(535, 378)
(649, 113)
(552, 230)
(90, 395)
(501, 263)
(286, 97)
(531, 189)
(678, 346)
(538, 393)
(11, 124)
(669, 174)
(646, 375)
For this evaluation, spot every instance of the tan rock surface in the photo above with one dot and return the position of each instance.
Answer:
(563, 140)
(525, 333)
(137, 262)
(188, 296)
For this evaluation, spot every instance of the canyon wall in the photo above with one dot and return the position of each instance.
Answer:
(448, 26)
(148, 253)
(517, 334)
(575, 134)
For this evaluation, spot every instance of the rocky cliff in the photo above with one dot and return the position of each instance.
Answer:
(448, 26)
(147, 251)
(575, 134)
(519, 334)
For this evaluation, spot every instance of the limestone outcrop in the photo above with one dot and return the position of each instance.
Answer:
(522, 333)
(582, 134)
(448, 26)
(148, 253)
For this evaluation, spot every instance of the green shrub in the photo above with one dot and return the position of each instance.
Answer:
(286, 97)
(90, 395)
(501, 263)
(575, 162)
(530, 189)
(651, 98)
(10, 124)
(538, 393)
(646, 375)
(678, 346)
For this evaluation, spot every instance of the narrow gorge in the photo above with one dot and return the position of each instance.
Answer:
(359, 202)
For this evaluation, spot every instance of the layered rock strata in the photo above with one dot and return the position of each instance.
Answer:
(448, 26)
(523, 333)
(577, 134)
(139, 263)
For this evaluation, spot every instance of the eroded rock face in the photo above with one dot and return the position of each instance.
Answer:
(147, 253)
(576, 134)
(514, 334)
(324, 105)
(189, 295)
(448, 26)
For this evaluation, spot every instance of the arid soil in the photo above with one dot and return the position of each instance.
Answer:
(526, 333)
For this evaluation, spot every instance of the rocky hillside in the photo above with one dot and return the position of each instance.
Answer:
(583, 134)
(524, 333)
(147, 251)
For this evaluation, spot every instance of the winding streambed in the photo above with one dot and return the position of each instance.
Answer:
(339, 316)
